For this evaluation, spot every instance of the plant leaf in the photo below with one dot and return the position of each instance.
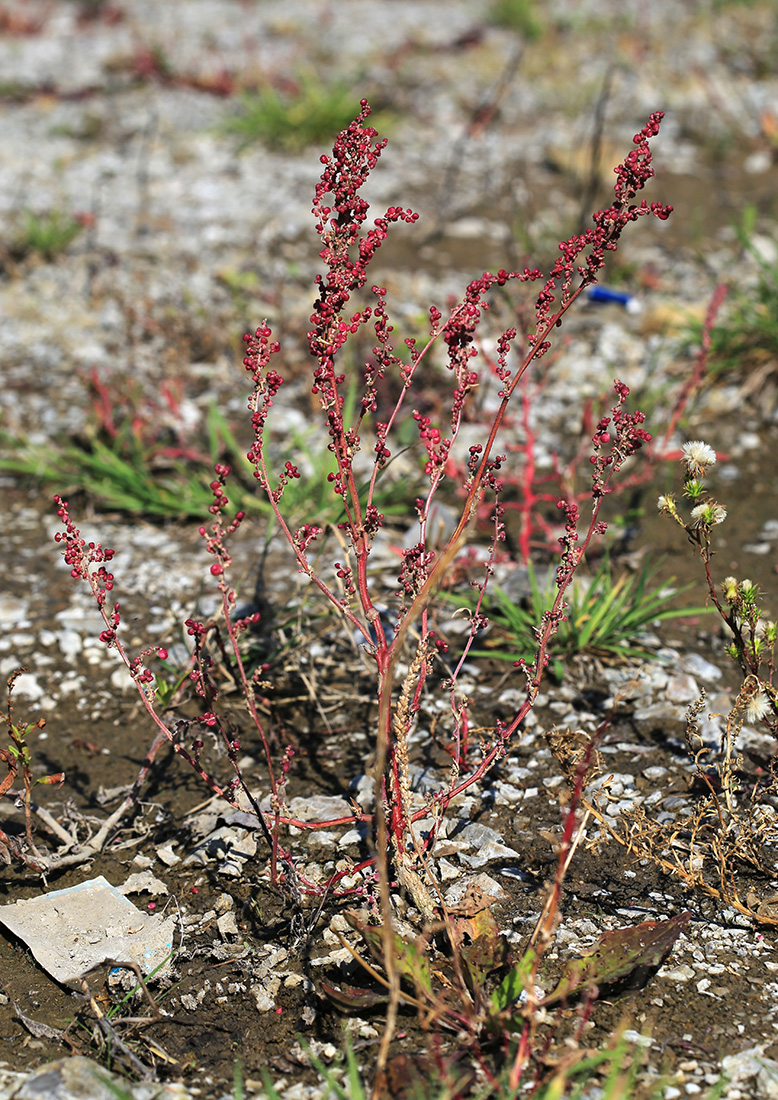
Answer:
(618, 952)
(353, 998)
(409, 959)
(486, 952)
(515, 981)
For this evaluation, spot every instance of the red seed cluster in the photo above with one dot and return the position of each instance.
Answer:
(628, 438)
(218, 531)
(631, 176)
(81, 556)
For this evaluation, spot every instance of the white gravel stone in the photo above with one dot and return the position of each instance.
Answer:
(70, 643)
(682, 973)
(319, 808)
(121, 680)
(635, 1037)
(504, 792)
(751, 1074)
(483, 881)
(681, 689)
(228, 925)
(700, 668)
(492, 849)
(263, 998)
(447, 871)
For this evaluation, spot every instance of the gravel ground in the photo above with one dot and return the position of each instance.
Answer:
(116, 114)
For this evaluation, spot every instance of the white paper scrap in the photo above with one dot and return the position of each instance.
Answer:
(70, 931)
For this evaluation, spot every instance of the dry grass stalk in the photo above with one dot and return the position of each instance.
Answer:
(724, 836)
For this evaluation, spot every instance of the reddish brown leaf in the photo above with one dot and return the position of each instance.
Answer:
(618, 952)
(353, 999)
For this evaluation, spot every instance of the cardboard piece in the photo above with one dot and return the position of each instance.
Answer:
(71, 931)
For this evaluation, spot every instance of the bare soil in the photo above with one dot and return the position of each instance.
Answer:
(209, 996)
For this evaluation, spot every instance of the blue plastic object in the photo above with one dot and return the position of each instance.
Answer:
(619, 297)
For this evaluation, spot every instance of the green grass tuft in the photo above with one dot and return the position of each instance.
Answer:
(47, 235)
(745, 338)
(604, 618)
(518, 15)
(291, 122)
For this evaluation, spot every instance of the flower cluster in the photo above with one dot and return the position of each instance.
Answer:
(215, 534)
(698, 458)
(82, 557)
(341, 212)
(738, 602)
(267, 382)
(743, 599)
(79, 554)
(631, 176)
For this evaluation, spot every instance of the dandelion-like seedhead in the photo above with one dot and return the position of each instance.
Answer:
(708, 515)
(698, 456)
(758, 707)
(667, 505)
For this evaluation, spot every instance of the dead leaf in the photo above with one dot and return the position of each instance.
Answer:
(473, 901)
(37, 1029)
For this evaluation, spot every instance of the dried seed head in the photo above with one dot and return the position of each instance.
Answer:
(698, 456)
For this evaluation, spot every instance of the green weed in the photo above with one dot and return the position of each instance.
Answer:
(132, 472)
(291, 122)
(746, 338)
(479, 995)
(604, 618)
(119, 475)
(517, 15)
(17, 760)
(46, 235)
(611, 1074)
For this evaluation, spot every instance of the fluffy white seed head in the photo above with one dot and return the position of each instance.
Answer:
(708, 515)
(757, 707)
(698, 456)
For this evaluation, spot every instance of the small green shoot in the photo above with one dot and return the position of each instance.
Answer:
(114, 1011)
(165, 691)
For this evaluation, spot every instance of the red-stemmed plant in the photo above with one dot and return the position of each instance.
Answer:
(346, 305)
